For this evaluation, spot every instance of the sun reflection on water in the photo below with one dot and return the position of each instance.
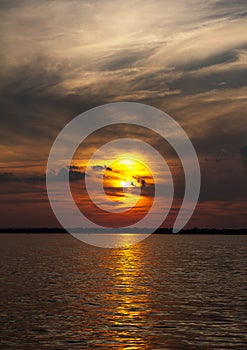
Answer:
(129, 297)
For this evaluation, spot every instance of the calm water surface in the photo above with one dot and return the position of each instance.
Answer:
(167, 292)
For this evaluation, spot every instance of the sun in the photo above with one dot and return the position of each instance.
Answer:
(128, 168)
(126, 184)
(127, 174)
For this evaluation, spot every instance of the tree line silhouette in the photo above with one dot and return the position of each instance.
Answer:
(195, 230)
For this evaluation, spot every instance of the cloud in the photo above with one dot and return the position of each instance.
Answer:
(243, 153)
(98, 167)
(101, 168)
(188, 59)
(74, 175)
(127, 58)
(35, 179)
(193, 83)
(140, 181)
(74, 167)
(8, 177)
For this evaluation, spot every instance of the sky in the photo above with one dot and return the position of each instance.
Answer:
(60, 58)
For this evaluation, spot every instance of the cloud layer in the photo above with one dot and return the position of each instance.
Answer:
(188, 58)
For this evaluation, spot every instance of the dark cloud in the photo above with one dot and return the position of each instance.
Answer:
(191, 83)
(243, 153)
(8, 177)
(74, 167)
(125, 58)
(152, 81)
(8, 4)
(35, 179)
(100, 168)
(76, 175)
(41, 179)
(87, 62)
(140, 180)
(97, 167)
(215, 59)
(33, 106)
(63, 173)
(225, 4)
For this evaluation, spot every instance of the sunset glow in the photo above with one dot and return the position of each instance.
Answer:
(127, 173)
(123, 172)
(187, 58)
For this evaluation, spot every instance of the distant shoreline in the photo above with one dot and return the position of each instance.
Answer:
(57, 230)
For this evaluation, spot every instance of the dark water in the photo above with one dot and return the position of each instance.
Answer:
(168, 292)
